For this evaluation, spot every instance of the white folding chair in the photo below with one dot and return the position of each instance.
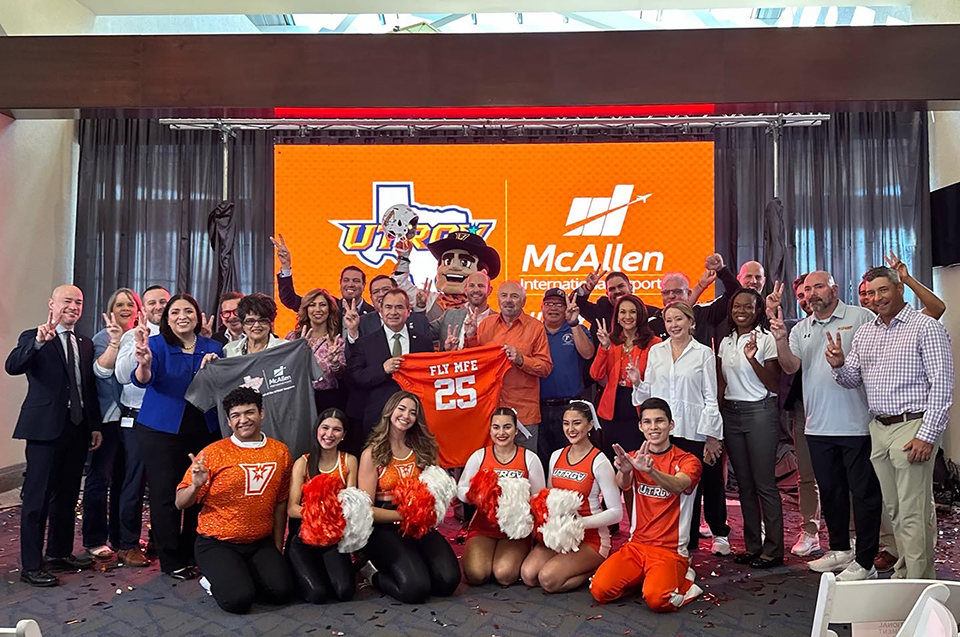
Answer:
(25, 628)
(875, 601)
(935, 620)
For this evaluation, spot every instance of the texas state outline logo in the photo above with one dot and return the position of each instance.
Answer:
(367, 241)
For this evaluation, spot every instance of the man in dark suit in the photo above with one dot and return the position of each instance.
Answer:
(230, 327)
(377, 355)
(352, 280)
(60, 420)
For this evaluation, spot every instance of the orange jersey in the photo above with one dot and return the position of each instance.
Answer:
(580, 477)
(459, 390)
(661, 518)
(389, 476)
(516, 468)
(244, 487)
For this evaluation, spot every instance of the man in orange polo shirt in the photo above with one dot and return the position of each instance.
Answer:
(243, 483)
(524, 341)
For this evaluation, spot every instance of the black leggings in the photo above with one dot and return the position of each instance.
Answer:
(242, 573)
(321, 573)
(409, 570)
(165, 459)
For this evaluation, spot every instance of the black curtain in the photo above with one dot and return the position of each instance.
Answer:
(144, 195)
(852, 189)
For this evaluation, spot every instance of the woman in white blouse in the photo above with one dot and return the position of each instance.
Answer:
(683, 372)
(749, 380)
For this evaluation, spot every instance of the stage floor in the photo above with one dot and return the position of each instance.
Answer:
(127, 602)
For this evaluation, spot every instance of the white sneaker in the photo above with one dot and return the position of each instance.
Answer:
(721, 546)
(705, 531)
(692, 593)
(205, 585)
(832, 561)
(855, 573)
(806, 545)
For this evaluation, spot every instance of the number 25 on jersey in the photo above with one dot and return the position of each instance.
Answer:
(456, 393)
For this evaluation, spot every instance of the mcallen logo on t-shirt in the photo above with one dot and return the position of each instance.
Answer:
(279, 377)
(257, 476)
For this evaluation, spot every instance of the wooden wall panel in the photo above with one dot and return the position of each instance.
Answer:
(240, 75)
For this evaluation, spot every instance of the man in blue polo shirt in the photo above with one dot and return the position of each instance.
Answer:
(571, 350)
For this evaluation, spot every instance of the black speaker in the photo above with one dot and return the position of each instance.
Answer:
(945, 225)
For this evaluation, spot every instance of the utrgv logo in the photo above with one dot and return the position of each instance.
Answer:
(367, 241)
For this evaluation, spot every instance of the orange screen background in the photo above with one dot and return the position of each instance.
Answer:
(520, 194)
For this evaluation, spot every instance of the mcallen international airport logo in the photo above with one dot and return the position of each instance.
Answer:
(367, 241)
(601, 216)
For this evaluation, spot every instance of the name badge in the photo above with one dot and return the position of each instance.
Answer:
(126, 422)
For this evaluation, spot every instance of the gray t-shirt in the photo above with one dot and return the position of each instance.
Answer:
(283, 375)
(831, 409)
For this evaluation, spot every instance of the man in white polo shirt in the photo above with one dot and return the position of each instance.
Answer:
(837, 428)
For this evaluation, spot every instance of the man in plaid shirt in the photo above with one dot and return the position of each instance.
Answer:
(904, 362)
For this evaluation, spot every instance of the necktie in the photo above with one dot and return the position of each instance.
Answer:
(397, 347)
(76, 407)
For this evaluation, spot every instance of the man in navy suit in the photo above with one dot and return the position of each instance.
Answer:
(60, 420)
(377, 355)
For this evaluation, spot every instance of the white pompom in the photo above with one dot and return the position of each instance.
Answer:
(563, 530)
(442, 487)
(513, 508)
(358, 515)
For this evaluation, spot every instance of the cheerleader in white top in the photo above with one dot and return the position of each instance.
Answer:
(683, 372)
(582, 469)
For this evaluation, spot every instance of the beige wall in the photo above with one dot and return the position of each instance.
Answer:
(38, 167)
(38, 175)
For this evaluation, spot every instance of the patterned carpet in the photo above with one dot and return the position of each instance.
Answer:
(126, 603)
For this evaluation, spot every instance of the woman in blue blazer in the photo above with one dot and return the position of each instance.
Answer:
(169, 428)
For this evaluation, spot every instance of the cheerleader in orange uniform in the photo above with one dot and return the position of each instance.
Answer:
(322, 573)
(405, 568)
(488, 550)
(579, 467)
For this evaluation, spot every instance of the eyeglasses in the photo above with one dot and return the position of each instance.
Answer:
(227, 312)
(677, 292)
(250, 322)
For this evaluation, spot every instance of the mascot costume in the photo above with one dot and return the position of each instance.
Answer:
(459, 254)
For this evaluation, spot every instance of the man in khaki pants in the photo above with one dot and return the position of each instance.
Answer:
(904, 362)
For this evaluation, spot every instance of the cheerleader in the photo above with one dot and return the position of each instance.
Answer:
(488, 549)
(405, 568)
(322, 573)
(582, 468)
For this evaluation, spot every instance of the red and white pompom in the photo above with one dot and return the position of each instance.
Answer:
(504, 499)
(556, 520)
(422, 502)
(332, 514)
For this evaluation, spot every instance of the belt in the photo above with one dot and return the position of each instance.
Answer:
(893, 420)
(129, 412)
(555, 402)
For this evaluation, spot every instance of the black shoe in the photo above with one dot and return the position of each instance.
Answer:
(184, 574)
(745, 558)
(39, 578)
(766, 562)
(69, 563)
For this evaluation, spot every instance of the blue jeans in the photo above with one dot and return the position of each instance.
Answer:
(116, 468)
